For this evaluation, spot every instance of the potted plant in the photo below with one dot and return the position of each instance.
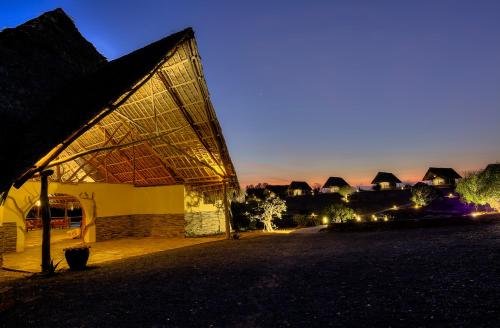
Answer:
(77, 257)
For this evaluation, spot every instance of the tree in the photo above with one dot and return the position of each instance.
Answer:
(346, 191)
(481, 188)
(472, 188)
(271, 208)
(423, 194)
(316, 187)
(340, 213)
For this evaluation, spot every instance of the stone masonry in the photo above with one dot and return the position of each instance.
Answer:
(142, 225)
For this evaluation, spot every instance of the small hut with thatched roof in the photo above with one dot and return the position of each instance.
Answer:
(135, 141)
(333, 184)
(299, 188)
(277, 190)
(442, 176)
(385, 180)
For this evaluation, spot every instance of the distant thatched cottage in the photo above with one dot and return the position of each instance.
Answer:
(441, 176)
(386, 180)
(277, 190)
(299, 188)
(333, 184)
(493, 168)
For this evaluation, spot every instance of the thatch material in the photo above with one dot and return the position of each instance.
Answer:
(37, 59)
(385, 177)
(156, 95)
(279, 190)
(494, 168)
(302, 185)
(335, 182)
(446, 173)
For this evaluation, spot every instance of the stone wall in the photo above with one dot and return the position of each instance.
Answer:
(202, 223)
(140, 225)
(9, 237)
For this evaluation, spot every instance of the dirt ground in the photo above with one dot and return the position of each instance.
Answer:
(446, 277)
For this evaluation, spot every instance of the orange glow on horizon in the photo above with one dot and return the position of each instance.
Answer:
(276, 176)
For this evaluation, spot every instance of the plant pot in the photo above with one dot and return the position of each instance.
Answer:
(77, 257)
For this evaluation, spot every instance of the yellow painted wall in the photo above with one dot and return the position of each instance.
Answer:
(97, 200)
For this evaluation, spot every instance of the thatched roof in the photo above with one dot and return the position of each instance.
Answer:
(494, 168)
(151, 106)
(446, 173)
(335, 182)
(37, 59)
(385, 177)
(277, 189)
(300, 185)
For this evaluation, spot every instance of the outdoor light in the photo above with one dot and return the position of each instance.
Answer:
(386, 218)
(38, 203)
(358, 217)
(395, 207)
(475, 214)
(451, 195)
(325, 220)
(374, 217)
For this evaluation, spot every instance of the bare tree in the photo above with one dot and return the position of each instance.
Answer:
(271, 208)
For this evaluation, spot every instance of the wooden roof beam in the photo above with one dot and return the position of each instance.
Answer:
(168, 84)
(167, 143)
(102, 160)
(168, 168)
(92, 157)
(125, 157)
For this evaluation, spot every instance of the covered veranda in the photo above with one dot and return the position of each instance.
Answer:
(137, 144)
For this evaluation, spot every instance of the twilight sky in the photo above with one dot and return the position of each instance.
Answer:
(310, 89)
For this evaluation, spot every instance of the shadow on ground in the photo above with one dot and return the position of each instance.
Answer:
(445, 276)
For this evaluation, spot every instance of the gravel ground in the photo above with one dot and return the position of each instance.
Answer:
(412, 278)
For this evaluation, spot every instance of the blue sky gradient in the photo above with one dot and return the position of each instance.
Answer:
(310, 89)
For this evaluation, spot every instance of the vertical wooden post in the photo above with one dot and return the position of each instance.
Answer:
(45, 207)
(66, 219)
(226, 210)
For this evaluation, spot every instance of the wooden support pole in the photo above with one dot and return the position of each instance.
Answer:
(226, 210)
(45, 207)
(66, 219)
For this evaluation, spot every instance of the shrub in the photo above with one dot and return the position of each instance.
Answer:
(302, 220)
(346, 191)
(339, 213)
(422, 194)
(480, 188)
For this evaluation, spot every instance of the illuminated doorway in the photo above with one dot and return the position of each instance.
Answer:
(67, 220)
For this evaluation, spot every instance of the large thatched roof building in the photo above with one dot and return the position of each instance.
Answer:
(142, 120)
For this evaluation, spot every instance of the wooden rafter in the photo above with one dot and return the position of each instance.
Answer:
(167, 166)
(168, 144)
(91, 158)
(216, 134)
(178, 102)
(102, 160)
(125, 157)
